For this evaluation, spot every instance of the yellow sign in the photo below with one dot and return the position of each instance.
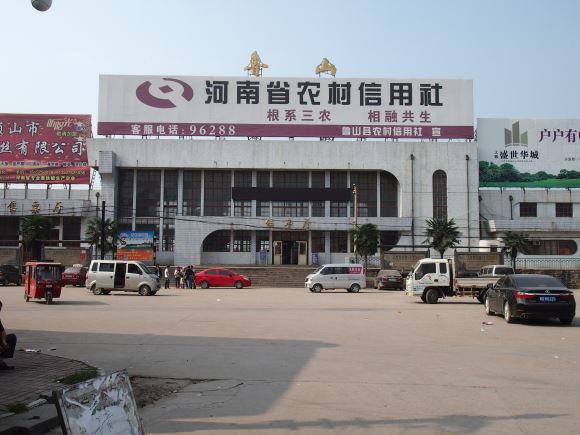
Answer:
(255, 66)
(326, 67)
(35, 207)
(12, 207)
(57, 207)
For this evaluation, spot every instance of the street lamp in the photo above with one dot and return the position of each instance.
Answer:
(41, 5)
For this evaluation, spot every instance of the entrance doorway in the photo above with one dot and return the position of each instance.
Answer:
(290, 247)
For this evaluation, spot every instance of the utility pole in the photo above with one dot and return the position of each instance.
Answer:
(103, 230)
(355, 193)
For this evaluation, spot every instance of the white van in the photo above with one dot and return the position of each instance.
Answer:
(332, 276)
(105, 276)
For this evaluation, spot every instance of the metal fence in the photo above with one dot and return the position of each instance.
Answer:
(546, 263)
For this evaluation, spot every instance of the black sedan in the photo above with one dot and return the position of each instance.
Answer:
(531, 296)
(389, 278)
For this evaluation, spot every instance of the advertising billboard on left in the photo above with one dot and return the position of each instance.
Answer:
(44, 149)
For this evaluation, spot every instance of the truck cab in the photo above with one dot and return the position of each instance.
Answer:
(430, 279)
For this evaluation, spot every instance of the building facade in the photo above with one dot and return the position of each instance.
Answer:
(185, 190)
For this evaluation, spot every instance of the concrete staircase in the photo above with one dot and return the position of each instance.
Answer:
(274, 276)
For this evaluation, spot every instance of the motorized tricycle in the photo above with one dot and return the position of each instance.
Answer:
(42, 280)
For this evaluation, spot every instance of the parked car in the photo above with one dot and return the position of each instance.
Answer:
(10, 274)
(75, 275)
(495, 270)
(220, 277)
(531, 296)
(332, 276)
(389, 278)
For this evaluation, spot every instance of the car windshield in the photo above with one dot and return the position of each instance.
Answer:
(72, 270)
(392, 272)
(535, 281)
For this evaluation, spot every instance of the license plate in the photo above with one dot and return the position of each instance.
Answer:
(48, 286)
(547, 298)
(392, 279)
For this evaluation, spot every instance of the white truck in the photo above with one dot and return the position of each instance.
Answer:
(432, 279)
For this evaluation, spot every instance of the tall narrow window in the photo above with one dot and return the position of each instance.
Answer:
(125, 193)
(439, 195)
(389, 195)
(191, 193)
(263, 180)
(148, 192)
(217, 193)
(242, 179)
(338, 208)
(170, 193)
(366, 187)
(317, 182)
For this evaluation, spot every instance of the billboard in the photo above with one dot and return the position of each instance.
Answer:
(135, 245)
(285, 107)
(529, 152)
(44, 149)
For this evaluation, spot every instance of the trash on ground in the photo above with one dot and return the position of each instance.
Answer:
(31, 350)
(487, 323)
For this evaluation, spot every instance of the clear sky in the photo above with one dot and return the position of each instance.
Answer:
(521, 54)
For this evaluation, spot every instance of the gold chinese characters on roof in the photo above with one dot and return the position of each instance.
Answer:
(255, 66)
(326, 67)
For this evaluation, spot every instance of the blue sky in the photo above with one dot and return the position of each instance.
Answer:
(522, 55)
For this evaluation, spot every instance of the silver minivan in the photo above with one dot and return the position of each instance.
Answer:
(105, 276)
(332, 276)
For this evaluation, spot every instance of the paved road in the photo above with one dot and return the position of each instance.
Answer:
(287, 361)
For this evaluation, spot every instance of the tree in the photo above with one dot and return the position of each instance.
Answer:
(93, 234)
(442, 234)
(366, 240)
(34, 229)
(514, 242)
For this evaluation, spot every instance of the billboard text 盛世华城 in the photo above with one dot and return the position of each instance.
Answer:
(285, 107)
(135, 245)
(529, 152)
(45, 149)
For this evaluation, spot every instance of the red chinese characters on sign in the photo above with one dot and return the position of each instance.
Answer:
(44, 149)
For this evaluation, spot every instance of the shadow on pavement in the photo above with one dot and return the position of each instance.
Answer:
(459, 423)
(182, 357)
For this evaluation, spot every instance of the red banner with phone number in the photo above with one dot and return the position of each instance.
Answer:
(44, 149)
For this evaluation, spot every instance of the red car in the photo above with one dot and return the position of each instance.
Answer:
(220, 277)
(75, 275)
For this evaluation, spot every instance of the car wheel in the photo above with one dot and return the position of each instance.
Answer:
(144, 290)
(355, 288)
(488, 309)
(48, 297)
(432, 296)
(153, 293)
(507, 313)
(4, 282)
(204, 284)
(566, 320)
(96, 290)
(239, 285)
(316, 288)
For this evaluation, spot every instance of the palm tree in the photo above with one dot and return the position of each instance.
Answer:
(442, 234)
(93, 234)
(34, 229)
(514, 241)
(365, 239)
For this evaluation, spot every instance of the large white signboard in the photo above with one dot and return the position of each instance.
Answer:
(529, 152)
(287, 107)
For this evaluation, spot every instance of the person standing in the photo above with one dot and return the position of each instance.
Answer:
(193, 278)
(166, 276)
(7, 346)
(176, 276)
(189, 276)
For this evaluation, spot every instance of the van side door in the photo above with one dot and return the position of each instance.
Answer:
(133, 277)
(327, 277)
(106, 275)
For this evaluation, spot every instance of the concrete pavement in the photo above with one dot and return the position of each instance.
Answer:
(287, 361)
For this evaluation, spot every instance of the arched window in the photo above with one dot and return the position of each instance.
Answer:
(439, 194)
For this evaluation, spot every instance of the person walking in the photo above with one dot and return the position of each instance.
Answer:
(166, 276)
